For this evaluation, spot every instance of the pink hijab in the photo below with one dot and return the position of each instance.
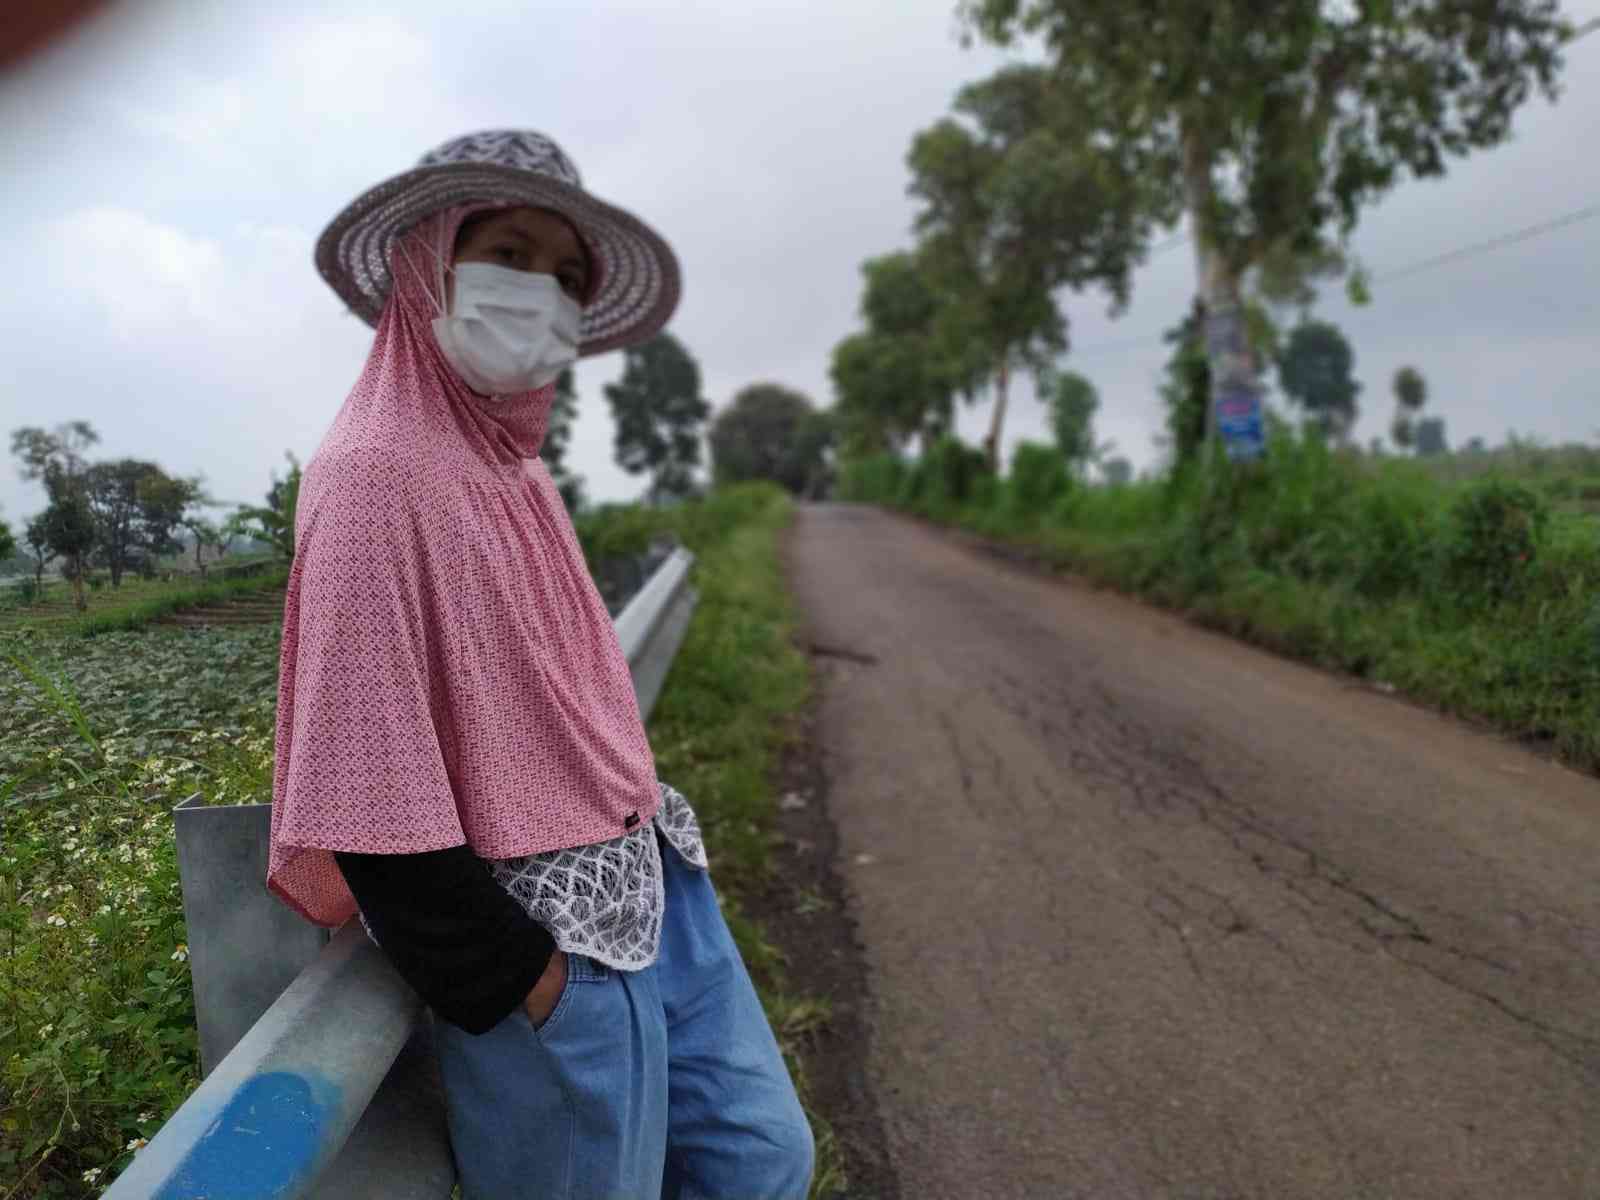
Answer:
(449, 674)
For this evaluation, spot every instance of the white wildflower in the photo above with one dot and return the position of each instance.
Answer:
(57, 920)
(91, 1174)
(47, 1030)
(138, 1144)
(181, 954)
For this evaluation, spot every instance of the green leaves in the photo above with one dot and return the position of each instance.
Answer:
(659, 411)
(1293, 122)
(1316, 371)
(97, 738)
(1073, 401)
(769, 432)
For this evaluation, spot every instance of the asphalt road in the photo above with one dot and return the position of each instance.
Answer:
(1148, 913)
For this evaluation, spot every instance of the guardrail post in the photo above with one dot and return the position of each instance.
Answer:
(245, 945)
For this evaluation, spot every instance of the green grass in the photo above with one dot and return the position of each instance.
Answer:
(1466, 582)
(100, 736)
(719, 727)
(135, 604)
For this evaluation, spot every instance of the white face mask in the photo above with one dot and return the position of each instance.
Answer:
(508, 331)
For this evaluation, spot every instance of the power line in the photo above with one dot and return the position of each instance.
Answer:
(1587, 213)
(1494, 243)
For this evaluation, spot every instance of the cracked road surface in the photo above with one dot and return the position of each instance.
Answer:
(1149, 913)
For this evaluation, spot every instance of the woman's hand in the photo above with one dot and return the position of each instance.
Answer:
(546, 994)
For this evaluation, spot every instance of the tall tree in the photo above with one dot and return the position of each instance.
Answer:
(769, 432)
(136, 507)
(54, 457)
(557, 438)
(1275, 128)
(69, 529)
(659, 414)
(8, 542)
(1073, 402)
(1013, 210)
(900, 376)
(1410, 394)
(36, 535)
(1316, 371)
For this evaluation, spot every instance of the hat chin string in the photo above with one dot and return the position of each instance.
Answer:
(438, 274)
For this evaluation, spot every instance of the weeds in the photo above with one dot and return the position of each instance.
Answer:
(1464, 586)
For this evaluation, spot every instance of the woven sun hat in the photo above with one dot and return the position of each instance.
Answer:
(639, 277)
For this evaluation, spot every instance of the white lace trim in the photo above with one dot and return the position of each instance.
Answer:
(605, 900)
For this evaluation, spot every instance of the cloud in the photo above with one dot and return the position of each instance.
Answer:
(144, 277)
(166, 176)
(203, 115)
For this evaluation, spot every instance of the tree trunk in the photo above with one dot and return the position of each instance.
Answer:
(78, 597)
(991, 444)
(1234, 380)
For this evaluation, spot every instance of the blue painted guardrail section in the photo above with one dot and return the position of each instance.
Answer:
(332, 1090)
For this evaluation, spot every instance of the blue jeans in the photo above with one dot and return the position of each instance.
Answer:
(665, 1082)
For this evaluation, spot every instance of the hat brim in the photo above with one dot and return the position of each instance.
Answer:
(640, 282)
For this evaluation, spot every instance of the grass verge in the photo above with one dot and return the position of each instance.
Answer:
(1477, 596)
(717, 731)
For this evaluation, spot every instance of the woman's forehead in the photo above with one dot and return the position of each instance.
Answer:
(540, 223)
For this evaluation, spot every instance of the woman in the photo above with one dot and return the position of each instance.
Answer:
(460, 757)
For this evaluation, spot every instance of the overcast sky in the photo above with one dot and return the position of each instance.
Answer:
(168, 165)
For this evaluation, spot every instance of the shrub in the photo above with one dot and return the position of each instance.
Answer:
(873, 479)
(953, 470)
(1495, 528)
(1039, 478)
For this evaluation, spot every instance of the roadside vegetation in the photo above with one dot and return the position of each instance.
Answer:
(1468, 583)
(137, 602)
(100, 737)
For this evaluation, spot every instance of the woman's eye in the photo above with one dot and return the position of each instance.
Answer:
(572, 285)
(505, 254)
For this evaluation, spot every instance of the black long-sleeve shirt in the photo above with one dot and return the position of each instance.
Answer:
(470, 950)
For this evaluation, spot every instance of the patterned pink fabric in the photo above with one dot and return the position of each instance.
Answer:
(449, 673)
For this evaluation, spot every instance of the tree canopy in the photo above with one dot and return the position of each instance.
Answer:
(659, 414)
(1410, 389)
(900, 376)
(770, 432)
(1292, 122)
(136, 507)
(1272, 129)
(1316, 370)
(1013, 210)
(1073, 402)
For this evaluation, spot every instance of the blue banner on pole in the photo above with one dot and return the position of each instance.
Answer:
(1236, 393)
(1239, 422)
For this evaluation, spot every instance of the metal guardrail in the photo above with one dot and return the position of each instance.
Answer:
(326, 1087)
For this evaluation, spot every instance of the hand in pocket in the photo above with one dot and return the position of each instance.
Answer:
(546, 994)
